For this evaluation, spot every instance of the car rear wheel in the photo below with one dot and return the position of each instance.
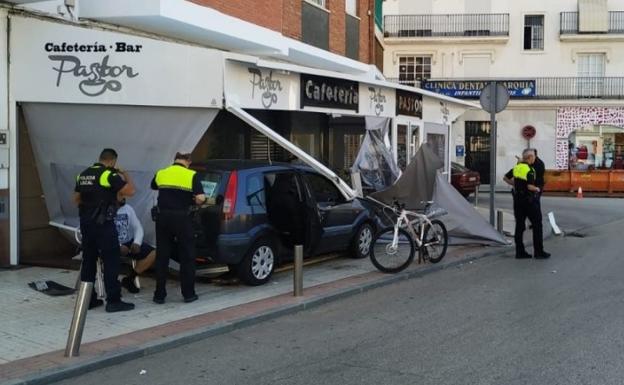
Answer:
(259, 263)
(361, 245)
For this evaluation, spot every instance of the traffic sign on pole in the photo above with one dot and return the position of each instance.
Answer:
(494, 99)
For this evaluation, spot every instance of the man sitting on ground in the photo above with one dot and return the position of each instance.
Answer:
(131, 243)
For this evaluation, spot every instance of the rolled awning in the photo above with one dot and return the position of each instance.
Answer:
(344, 188)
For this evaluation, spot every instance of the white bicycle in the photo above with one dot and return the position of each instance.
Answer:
(394, 247)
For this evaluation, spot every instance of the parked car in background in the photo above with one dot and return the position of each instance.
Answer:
(464, 179)
(258, 212)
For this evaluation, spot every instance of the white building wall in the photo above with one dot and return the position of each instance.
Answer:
(509, 58)
(505, 58)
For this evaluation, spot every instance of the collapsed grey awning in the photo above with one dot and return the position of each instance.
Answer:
(66, 138)
(422, 182)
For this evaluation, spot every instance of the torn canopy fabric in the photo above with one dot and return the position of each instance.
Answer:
(421, 182)
(416, 184)
(464, 224)
(374, 161)
(66, 138)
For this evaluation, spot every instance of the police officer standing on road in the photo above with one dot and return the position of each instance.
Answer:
(96, 192)
(179, 189)
(526, 205)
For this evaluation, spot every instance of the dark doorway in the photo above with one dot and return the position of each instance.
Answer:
(39, 243)
(478, 149)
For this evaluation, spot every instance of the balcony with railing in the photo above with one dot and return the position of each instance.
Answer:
(569, 24)
(555, 88)
(455, 25)
(580, 88)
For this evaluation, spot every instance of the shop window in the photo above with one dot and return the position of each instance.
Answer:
(306, 142)
(437, 143)
(402, 146)
(352, 145)
(534, 32)
(597, 148)
(414, 68)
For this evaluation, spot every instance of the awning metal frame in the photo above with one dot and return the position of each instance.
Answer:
(319, 167)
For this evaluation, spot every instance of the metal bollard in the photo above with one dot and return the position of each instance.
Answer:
(298, 276)
(499, 221)
(477, 196)
(78, 321)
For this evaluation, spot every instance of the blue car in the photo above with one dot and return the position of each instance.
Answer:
(258, 212)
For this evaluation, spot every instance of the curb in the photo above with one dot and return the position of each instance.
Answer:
(170, 342)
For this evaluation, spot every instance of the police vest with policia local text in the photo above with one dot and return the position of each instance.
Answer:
(94, 186)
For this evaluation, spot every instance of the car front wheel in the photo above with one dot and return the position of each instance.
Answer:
(259, 263)
(362, 241)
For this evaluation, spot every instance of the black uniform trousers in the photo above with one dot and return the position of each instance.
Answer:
(528, 208)
(174, 233)
(101, 240)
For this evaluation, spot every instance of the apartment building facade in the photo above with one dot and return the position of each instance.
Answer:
(561, 60)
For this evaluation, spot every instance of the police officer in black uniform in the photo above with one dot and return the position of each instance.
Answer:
(526, 205)
(179, 189)
(96, 192)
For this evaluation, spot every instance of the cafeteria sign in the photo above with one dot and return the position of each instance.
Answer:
(319, 91)
(471, 89)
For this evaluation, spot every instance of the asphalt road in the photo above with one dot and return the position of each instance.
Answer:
(495, 321)
(571, 213)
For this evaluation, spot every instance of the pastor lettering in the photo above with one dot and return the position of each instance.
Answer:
(96, 77)
(267, 84)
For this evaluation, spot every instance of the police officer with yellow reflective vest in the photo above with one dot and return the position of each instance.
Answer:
(179, 190)
(526, 205)
(96, 192)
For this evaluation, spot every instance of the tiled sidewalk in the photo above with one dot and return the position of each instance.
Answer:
(34, 326)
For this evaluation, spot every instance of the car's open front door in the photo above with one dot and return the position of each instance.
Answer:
(313, 225)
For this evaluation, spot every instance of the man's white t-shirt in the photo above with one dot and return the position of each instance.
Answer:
(129, 227)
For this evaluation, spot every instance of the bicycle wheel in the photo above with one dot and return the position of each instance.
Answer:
(391, 255)
(435, 242)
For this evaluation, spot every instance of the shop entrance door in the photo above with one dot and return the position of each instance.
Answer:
(407, 141)
(39, 243)
(436, 135)
(478, 149)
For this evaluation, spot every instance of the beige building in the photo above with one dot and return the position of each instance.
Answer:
(562, 60)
